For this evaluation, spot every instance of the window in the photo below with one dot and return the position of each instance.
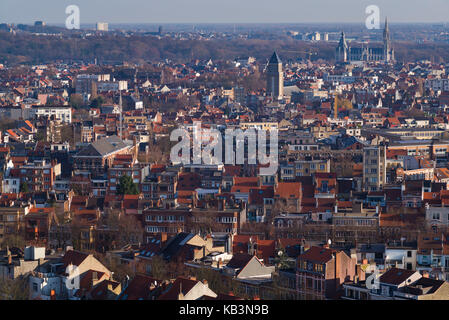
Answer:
(35, 287)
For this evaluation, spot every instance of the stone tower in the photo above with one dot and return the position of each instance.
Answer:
(275, 77)
(341, 53)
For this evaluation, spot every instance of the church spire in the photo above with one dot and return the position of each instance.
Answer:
(388, 51)
(341, 53)
(386, 34)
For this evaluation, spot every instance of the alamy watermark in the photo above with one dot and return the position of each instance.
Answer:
(73, 20)
(72, 281)
(372, 282)
(205, 146)
(373, 19)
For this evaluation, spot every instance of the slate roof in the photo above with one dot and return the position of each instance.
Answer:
(74, 257)
(102, 147)
(139, 288)
(395, 276)
(424, 286)
(181, 285)
(175, 245)
(275, 58)
(239, 260)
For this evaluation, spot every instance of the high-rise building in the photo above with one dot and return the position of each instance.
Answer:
(102, 26)
(374, 167)
(275, 77)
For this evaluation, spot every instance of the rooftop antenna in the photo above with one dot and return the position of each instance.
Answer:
(443, 275)
(121, 110)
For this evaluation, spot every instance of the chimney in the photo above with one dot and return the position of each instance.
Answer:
(94, 277)
(163, 237)
(206, 284)
(52, 294)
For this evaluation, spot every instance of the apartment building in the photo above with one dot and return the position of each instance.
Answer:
(374, 167)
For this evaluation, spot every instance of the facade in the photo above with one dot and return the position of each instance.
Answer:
(86, 82)
(99, 155)
(61, 113)
(374, 167)
(39, 175)
(321, 273)
(437, 84)
(275, 77)
(346, 53)
(102, 26)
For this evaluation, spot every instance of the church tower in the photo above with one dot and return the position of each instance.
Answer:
(388, 50)
(275, 77)
(341, 53)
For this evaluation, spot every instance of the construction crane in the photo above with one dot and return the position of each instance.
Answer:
(310, 53)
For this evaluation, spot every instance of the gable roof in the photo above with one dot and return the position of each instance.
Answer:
(100, 291)
(239, 260)
(73, 257)
(396, 276)
(181, 285)
(317, 254)
(102, 147)
(139, 288)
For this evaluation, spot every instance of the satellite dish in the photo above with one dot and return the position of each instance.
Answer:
(280, 253)
(329, 242)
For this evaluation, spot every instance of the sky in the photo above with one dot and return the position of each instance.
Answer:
(223, 11)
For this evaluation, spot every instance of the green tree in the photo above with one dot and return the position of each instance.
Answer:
(127, 186)
(24, 187)
(40, 135)
(159, 268)
(15, 240)
(16, 289)
(76, 101)
(282, 260)
(97, 102)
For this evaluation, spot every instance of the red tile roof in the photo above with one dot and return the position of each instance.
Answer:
(317, 254)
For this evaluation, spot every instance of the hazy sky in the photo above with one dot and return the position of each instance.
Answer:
(222, 11)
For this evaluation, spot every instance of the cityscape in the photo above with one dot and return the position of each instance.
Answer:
(236, 162)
